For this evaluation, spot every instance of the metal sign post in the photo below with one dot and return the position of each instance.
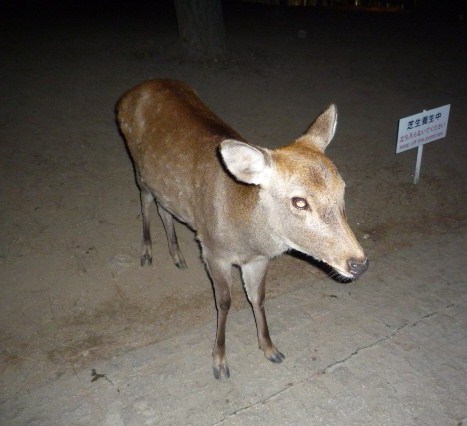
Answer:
(418, 164)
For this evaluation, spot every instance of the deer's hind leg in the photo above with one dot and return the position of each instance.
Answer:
(174, 249)
(146, 245)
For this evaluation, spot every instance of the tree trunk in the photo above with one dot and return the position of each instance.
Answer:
(201, 29)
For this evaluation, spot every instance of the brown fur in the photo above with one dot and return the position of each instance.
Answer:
(247, 204)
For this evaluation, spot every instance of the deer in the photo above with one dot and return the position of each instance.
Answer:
(246, 204)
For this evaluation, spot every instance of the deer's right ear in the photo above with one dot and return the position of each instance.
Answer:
(247, 163)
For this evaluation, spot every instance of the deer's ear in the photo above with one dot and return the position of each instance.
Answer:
(247, 163)
(321, 132)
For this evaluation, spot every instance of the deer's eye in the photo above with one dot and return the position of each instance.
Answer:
(300, 203)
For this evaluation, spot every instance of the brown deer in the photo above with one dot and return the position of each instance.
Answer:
(247, 204)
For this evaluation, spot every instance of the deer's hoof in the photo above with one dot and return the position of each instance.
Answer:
(276, 356)
(146, 259)
(221, 371)
(181, 264)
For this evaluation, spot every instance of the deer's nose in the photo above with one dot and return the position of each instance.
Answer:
(357, 267)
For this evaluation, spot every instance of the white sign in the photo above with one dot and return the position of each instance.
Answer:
(422, 128)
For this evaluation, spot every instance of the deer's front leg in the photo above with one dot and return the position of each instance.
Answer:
(254, 277)
(220, 273)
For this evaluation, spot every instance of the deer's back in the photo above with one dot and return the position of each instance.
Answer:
(173, 140)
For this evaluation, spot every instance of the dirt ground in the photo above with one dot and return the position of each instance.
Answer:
(71, 286)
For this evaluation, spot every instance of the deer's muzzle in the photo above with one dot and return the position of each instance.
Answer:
(357, 267)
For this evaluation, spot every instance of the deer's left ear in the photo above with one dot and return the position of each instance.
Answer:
(321, 132)
(247, 163)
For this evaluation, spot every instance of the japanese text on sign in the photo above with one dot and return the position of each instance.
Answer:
(422, 128)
